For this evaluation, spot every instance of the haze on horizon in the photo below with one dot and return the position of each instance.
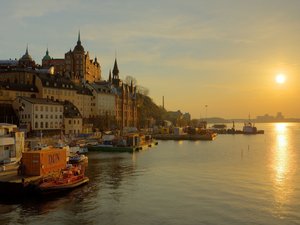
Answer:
(221, 53)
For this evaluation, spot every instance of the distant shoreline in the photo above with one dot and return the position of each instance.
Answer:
(221, 120)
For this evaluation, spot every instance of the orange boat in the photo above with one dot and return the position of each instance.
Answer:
(68, 179)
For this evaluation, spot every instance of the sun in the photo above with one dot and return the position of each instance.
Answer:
(280, 78)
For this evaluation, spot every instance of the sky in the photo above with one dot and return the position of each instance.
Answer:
(211, 58)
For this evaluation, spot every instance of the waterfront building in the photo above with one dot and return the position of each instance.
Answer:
(72, 119)
(126, 104)
(11, 144)
(39, 114)
(105, 98)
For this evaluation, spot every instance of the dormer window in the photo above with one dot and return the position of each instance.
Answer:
(47, 83)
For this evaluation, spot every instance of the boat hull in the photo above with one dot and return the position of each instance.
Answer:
(45, 190)
(102, 148)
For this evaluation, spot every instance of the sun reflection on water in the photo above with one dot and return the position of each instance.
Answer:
(282, 166)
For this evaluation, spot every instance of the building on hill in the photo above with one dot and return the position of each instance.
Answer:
(26, 60)
(58, 64)
(76, 64)
(79, 66)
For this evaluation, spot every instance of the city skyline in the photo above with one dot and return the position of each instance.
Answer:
(223, 54)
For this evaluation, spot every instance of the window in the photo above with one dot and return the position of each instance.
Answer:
(42, 108)
(41, 116)
(36, 108)
(70, 121)
(46, 108)
(46, 116)
(55, 116)
(46, 125)
(51, 124)
(51, 116)
(36, 116)
(42, 125)
(36, 125)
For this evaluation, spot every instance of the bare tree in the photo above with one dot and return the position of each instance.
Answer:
(129, 79)
(142, 90)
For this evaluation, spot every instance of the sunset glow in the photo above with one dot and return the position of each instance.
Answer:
(280, 78)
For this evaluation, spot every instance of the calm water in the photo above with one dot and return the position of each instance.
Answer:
(235, 179)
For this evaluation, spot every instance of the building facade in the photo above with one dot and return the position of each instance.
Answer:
(11, 144)
(126, 104)
(79, 67)
(39, 114)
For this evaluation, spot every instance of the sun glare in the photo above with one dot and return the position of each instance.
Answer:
(280, 78)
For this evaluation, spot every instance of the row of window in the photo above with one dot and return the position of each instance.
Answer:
(48, 116)
(47, 125)
(74, 121)
(59, 92)
(51, 108)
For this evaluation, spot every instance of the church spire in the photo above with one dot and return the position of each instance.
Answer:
(79, 41)
(109, 78)
(116, 69)
(26, 53)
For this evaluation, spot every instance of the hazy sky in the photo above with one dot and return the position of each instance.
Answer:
(220, 53)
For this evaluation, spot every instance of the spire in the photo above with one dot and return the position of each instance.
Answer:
(109, 79)
(26, 53)
(116, 69)
(79, 42)
(47, 56)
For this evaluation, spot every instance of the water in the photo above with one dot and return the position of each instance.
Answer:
(236, 179)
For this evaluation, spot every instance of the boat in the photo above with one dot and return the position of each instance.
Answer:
(79, 149)
(78, 158)
(113, 148)
(250, 128)
(69, 179)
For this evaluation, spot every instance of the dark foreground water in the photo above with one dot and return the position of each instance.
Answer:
(235, 179)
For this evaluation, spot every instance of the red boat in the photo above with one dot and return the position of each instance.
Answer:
(68, 179)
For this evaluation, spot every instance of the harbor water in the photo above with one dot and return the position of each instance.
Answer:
(235, 179)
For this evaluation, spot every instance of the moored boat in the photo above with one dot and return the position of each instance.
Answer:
(68, 180)
(250, 128)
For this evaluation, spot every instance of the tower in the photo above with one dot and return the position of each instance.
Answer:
(115, 72)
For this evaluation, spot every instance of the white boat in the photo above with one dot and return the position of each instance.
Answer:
(249, 128)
